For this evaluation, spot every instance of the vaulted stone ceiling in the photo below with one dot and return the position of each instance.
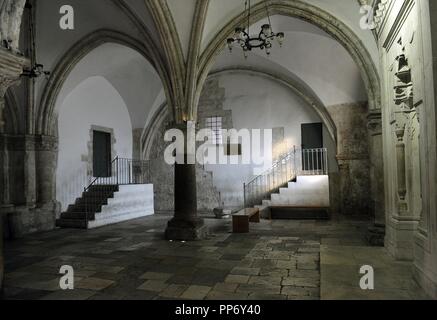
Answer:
(189, 30)
(186, 36)
(220, 12)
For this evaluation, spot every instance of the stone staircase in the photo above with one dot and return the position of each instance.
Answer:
(306, 197)
(104, 205)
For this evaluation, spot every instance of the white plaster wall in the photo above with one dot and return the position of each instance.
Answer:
(260, 103)
(127, 70)
(310, 55)
(94, 102)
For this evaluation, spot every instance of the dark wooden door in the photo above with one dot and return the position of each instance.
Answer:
(312, 142)
(102, 154)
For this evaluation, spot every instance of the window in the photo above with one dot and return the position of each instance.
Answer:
(214, 124)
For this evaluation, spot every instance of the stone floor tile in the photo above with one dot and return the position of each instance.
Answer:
(291, 264)
(264, 296)
(239, 279)
(301, 282)
(196, 293)
(225, 287)
(265, 280)
(267, 289)
(154, 285)
(246, 271)
(226, 296)
(300, 292)
(76, 294)
(156, 276)
(273, 272)
(173, 291)
(95, 284)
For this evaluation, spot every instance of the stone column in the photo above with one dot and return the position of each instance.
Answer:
(344, 174)
(376, 233)
(11, 67)
(186, 224)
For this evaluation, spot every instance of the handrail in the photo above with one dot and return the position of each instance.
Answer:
(287, 168)
(95, 180)
(121, 171)
(275, 164)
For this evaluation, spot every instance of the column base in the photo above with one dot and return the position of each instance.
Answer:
(375, 236)
(183, 230)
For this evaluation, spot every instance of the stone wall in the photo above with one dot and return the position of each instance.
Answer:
(407, 45)
(28, 201)
(353, 182)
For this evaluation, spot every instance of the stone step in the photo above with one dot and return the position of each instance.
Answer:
(71, 223)
(91, 195)
(77, 215)
(83, 201)
(85, 207)
(125, 203)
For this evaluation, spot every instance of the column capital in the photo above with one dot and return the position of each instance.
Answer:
(11, 67)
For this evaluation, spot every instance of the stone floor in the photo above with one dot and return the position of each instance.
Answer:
(278, 260)
(340, 275)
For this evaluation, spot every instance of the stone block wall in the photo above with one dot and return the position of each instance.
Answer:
(28, 202)
(353, 183)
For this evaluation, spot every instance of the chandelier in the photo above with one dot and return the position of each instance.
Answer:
(264, 39)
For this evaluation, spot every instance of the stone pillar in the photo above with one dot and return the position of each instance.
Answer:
(376, 233)
(11, 67)
(46, 149)
(186, 225)
(344, 174)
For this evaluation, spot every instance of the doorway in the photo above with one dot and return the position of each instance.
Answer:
(312, 145)
(101, 154)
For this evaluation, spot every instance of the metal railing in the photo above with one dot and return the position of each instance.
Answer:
(313, 162)
(287, 168)
(120, 171)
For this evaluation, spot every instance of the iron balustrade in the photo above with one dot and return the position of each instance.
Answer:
(286, 169)
(120, 171)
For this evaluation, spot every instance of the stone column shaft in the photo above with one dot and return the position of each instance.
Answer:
(376, 233)
(186, 225)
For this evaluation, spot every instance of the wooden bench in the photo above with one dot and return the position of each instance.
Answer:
(241, 220)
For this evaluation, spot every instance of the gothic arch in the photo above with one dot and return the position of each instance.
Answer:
(297, 87)
(316, 16)
(46, 115)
